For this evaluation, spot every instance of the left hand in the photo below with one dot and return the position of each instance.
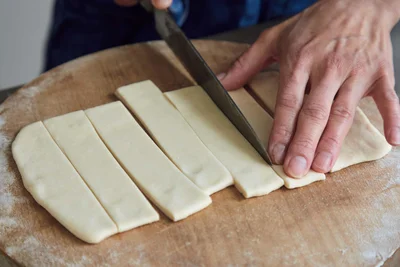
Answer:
(342, 49)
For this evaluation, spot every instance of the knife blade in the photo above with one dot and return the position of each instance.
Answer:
(203, 75)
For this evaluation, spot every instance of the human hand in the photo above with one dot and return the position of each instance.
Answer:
(160, 4)
(343, 52)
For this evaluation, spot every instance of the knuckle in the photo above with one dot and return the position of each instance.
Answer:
(330, 142)
(291, 80)
(299, 53)
(304, 143)
(241, 62)
(282, 131)
(293, 49)
(383, 73)
(288, 101)
(305, 53)
(358, 69)
(342, 112)
(315, 112)
(334, 62)
(390, 96)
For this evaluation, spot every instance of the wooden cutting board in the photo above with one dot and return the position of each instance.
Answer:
(353, 218)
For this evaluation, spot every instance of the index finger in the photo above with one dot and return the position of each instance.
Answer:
(292, 84)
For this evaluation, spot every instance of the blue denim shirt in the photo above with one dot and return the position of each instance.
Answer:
(80, 27)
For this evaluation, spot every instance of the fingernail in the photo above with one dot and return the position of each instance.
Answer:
(221, 76)
(297, 166)
(278, 153)
(323, 161)
(395, 136)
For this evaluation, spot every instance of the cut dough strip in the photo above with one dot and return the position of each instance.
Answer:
(258, 118)
(152, 171)
(265, 85)
(119, 196)
(174, 136)
(363, 142)
(262, 123)
(54, 184)
(291, 183)
(252, 175)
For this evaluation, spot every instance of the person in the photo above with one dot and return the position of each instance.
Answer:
(339, 49)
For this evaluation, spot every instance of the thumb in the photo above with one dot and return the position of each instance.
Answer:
(257, 57)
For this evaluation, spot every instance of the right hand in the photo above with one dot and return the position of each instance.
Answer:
(343, 58)
(160, 4)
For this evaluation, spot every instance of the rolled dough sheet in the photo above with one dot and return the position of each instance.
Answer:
(363, 142)
(115, 191)
(174, 136)
(252, 175)
(262, 123)
(54, 184)
(152, 171)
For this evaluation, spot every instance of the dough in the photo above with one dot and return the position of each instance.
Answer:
(252, 175)
(260, 120)
(152, 171)
(363, 142)
(265, 85)
(262, 123)
(115, 191)
(291, 183)
(54, 184)
(174, 136)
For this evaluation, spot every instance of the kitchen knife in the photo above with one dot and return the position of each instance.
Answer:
(203, 75)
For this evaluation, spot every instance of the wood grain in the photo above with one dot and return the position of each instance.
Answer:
(353, 218)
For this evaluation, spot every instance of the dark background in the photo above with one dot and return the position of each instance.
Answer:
(250, 34)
